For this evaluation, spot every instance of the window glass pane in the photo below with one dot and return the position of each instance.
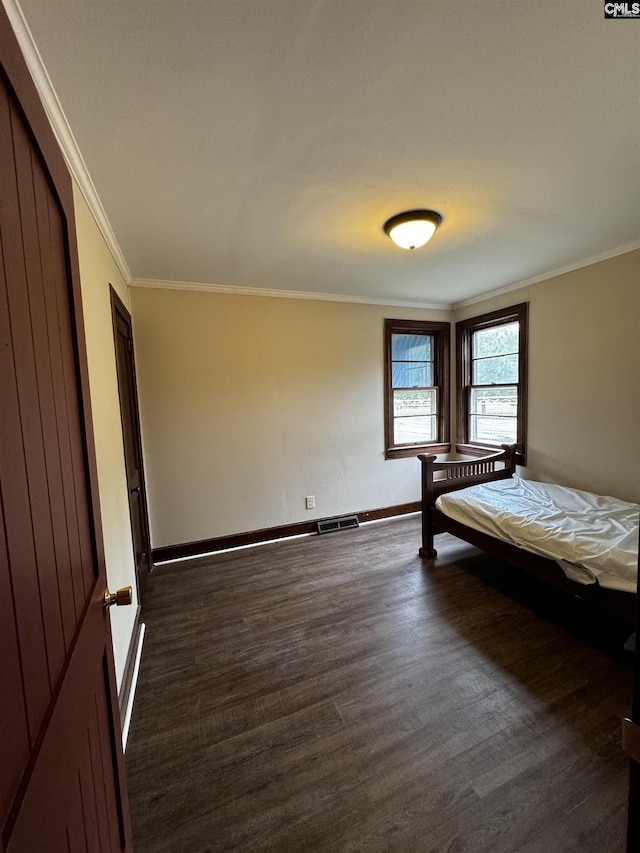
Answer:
(407, 403)
(416, 357)
(497, 340)
(414, 430)
(493, 430)
(493, 415)
(502, 368)
(491, 396)
(411, 347)
(412, 375)
(499, 402)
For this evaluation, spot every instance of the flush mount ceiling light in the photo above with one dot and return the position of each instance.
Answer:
(412, 229)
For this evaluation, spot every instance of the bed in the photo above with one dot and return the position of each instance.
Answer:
(485, 503)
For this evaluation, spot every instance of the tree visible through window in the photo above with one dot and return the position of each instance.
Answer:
(417, 386)
(493, 411)
(491, 355)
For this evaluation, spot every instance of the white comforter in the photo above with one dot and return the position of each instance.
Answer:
(593, 538)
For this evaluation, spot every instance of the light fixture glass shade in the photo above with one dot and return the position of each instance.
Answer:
(412, 229)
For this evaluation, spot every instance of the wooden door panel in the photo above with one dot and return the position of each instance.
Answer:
(29, 321)
(82, 805)
(61, 486)
(14, 750)
(62, 784)
(14, 371)
(84, 570)
(67, 408)
(42, 419)
(48, 367)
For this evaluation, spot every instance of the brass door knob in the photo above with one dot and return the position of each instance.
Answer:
(119, 598)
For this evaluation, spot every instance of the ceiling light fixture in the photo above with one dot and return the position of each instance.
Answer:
(412, 229)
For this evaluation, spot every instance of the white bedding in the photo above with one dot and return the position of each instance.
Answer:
(593, 538)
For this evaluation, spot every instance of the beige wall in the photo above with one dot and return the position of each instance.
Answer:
(584, 376)
(97, 271)
(248, 404)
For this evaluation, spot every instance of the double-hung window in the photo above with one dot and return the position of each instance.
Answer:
(492, 380)
(417, 387)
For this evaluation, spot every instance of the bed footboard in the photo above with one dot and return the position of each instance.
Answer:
(441, 477)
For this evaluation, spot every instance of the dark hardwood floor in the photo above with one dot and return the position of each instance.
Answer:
(337, 693)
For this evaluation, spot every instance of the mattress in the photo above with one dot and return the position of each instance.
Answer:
(594, 538)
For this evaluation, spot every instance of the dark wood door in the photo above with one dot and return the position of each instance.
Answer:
(123, 334)
(62, 784)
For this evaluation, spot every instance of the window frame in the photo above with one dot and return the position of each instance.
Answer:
(464, 337)
(440, 332)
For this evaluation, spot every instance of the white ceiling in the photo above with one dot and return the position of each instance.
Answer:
(263, 143)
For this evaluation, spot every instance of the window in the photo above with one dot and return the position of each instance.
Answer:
(417, 387)
(492, 381)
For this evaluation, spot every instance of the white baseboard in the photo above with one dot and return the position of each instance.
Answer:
(132, 689)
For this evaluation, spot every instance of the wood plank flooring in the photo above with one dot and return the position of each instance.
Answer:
(338, 693)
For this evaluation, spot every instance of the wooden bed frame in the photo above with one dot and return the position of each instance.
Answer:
(500, 466)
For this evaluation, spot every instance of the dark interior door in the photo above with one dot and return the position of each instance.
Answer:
(127, 389)
(62, 784)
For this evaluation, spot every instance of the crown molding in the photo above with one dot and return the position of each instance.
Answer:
(62, 130)
(283, 294)
(578, 265)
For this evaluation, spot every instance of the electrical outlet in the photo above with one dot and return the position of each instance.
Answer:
(310, 502)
